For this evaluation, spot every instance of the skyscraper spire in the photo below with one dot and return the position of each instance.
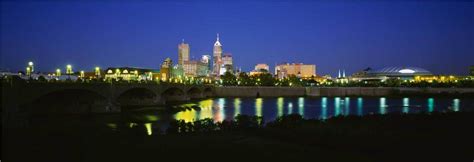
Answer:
(217, 41)
(217, 57)
(339, 73)
(182, 41)
(344, 73)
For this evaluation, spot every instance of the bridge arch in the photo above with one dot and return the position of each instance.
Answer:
(207, 92)
(173, 94)
(68, 101)
(137, 96)
(195, 93)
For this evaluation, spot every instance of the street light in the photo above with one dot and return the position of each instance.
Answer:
(29, 68)
(28, 71)
(97, 71)
(68, 69)
(58, 72)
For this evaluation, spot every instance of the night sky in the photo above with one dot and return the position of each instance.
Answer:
(351, 35)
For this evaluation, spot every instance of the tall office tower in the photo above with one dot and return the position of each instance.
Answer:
(217, 57)
(227, 59)
(183, 53)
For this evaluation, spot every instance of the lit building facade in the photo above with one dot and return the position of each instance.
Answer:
(437, 78)
(195, 68)
(217, 57)
(183, 53)
(129, 73)
(227, 65)
(206, 61)
(227, 59)
(260, 69)
(402, 73)
(297, 69)
(166, 69)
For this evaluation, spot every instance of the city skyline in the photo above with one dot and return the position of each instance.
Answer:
(440, 42)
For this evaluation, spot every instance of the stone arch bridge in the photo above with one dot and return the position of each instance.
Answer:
(95, 97)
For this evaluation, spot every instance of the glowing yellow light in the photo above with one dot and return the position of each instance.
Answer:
(206, 109)
(149, 131)
(280, 106)
(58, 72)
(187, 116)
(258, 107)
(237, 103)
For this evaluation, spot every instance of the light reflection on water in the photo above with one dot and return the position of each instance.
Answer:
(258, 107)
(237, 103)
(301, 106)
(383, 105)
(360, 103)
(337, 106)
(430, 104)
(280, 106)
(319, 108)
(324, 108)
(346, 106)
(406, 105)
(290, 108)
(456, 104)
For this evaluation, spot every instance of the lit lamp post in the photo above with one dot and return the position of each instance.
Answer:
(31, 66)
(58, 72)
(97, 72)
(68, 69)
(28, 71)
(82, 73)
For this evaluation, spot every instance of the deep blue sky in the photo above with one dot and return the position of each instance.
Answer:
(351, 35)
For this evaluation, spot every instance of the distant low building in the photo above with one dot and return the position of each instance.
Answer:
(129, 73)
(260, 69)
(402, 73)
(297, 69)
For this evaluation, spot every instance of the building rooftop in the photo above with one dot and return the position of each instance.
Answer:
(401, 71)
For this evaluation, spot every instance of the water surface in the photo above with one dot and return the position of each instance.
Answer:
(220, 109)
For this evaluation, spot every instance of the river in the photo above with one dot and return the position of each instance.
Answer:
(220, 109)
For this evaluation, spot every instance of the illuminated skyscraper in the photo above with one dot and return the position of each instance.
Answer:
(217, 56)
(227, 64)
(227, 59)
(183, 53)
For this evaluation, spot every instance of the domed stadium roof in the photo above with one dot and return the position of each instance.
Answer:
(401, 71)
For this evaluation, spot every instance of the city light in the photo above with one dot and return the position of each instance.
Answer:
(97, 71)
(69, 69)
(58, 72)
(28, 71)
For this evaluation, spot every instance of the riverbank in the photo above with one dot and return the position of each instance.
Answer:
(257, 91)
(392, 137)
